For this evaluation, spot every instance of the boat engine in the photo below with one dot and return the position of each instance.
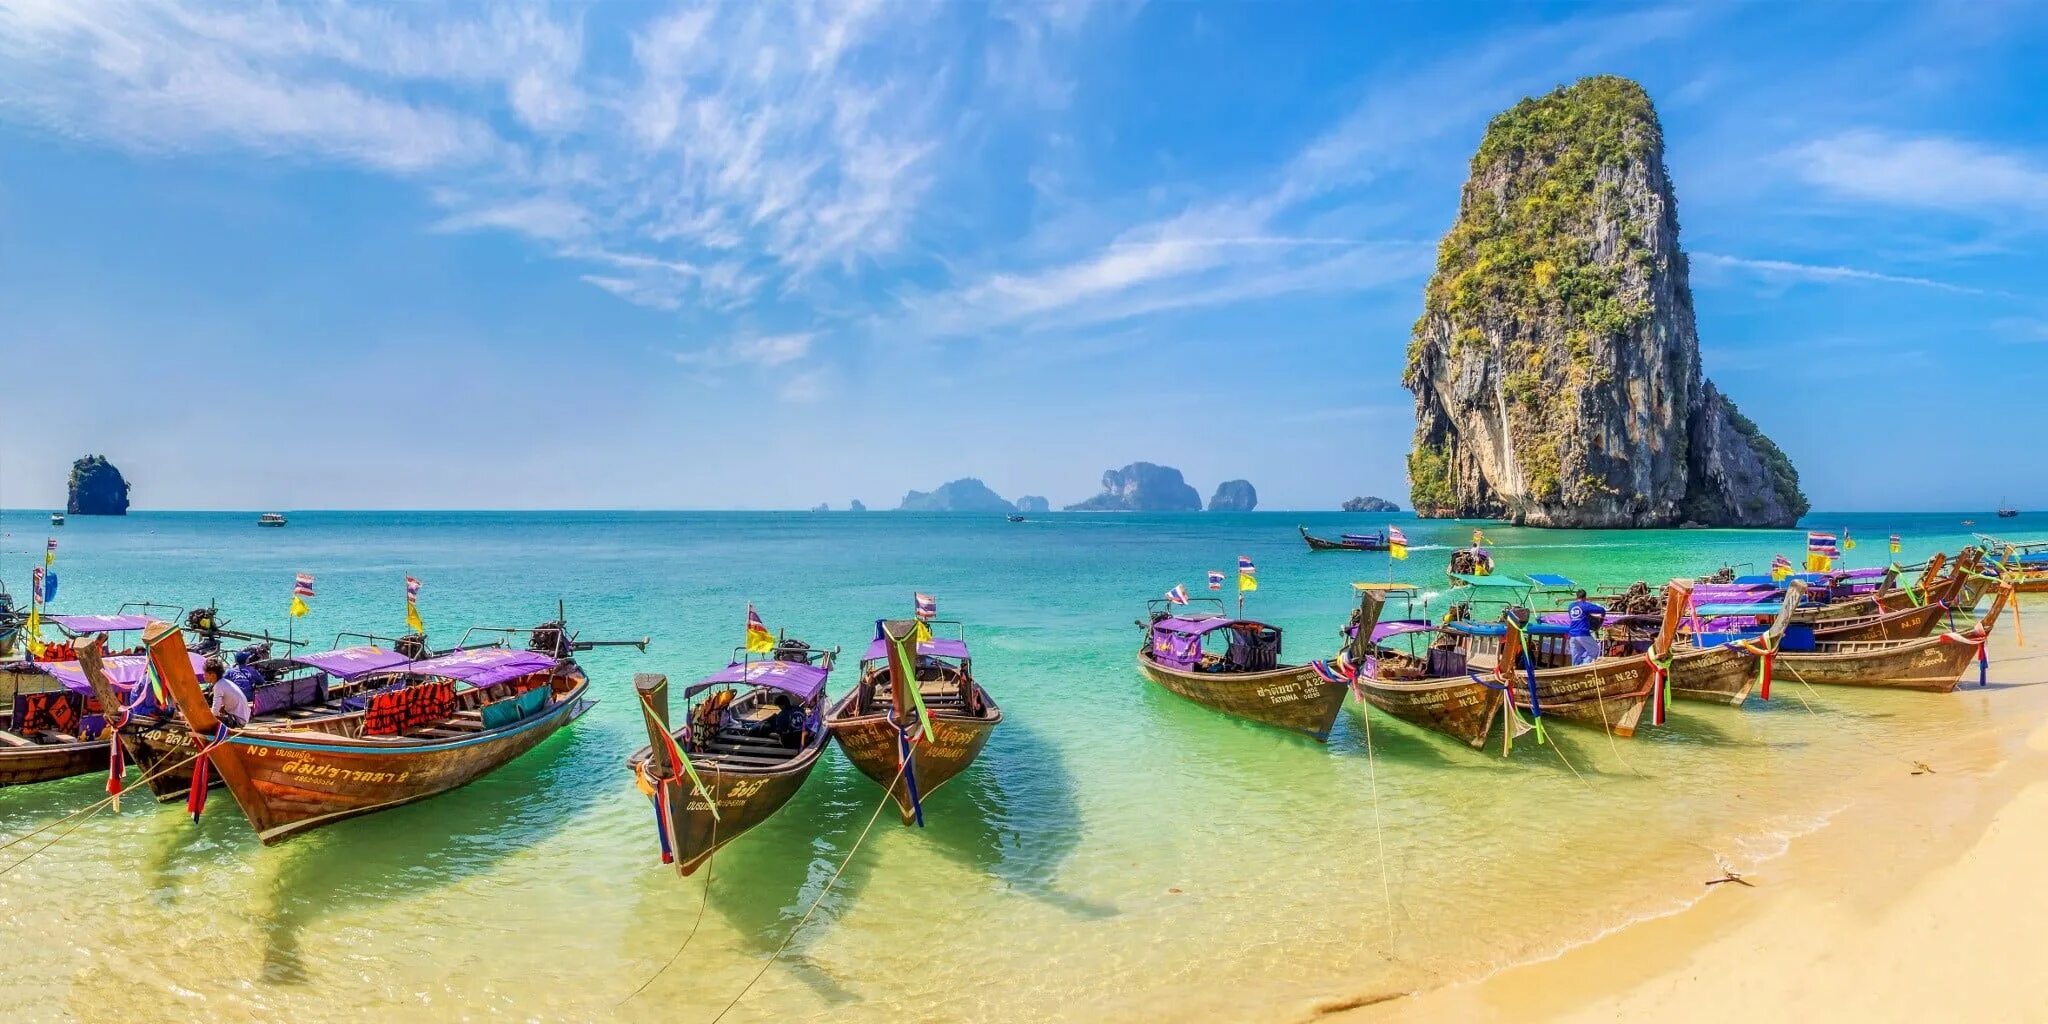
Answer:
(412, 645)
(551, 639)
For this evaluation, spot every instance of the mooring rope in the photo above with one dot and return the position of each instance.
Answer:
(887, 798)
(1379, 834)
(87, 812)
(710, 864)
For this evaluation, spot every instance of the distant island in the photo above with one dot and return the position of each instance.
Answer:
(963, 495)
(96, 489)
(1370, 505)
(856, 506)
(1033, 503)
(821, 507)
(1234, 496)
(1142, 487)
(1556, 364)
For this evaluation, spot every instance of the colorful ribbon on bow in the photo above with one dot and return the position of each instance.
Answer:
(1766, 650)
(202, 780)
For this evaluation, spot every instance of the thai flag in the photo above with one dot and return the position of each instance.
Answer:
(412, 588)
(1215, 579)
(50, 548)
(303, 585)
(1245, 566)
(1178, 595)
(927, 607)
(1822, 544)
(1395, 536)
(35, 580)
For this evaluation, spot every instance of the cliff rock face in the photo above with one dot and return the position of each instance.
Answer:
(97, 489)
(1033, 503)
(1142, 487)
(856, 506)
(1370, 505)
(1234, 496)
(1556, 365)
(964, 495)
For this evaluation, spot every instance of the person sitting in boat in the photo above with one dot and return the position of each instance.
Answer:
(230, 704)
(245, 674)
(1582, 628)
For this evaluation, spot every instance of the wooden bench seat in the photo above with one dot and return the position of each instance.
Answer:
(12, 740)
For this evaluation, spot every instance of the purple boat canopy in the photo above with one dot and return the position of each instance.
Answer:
(1177, 642)
(349, 662)
(804, 682)
(124, 671)
(82, 624)
(1192, 627)
(936, 647)
(485, 666)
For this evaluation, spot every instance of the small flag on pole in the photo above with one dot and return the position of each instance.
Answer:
(1821, 551)
(1848, 542)
(1178, 595)
(927, 607)
(759, 640)
(412, 606)
(1781, 567)
(1247, 574)
(1215, 579)
(1895, 543)
(50, 552)
(1397, 542)
(302, 588)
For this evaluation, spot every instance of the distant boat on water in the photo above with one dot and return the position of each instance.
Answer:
(2006, 511)
(56, 519)
(1014, 518)
(270, 519)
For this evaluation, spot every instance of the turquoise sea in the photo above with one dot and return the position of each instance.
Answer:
(1116, 853)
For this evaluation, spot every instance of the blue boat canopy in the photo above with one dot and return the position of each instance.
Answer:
(1551, 579)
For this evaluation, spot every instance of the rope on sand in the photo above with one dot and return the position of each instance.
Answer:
(1379, 834)
(84, 814)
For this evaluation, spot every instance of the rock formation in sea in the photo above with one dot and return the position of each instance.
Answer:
(1142, 487)
(1033, 503)
(856, 506)
(821, 507)
(964, 495)
(1234, 496)
(1556, 364)
(97, 489)
(1370, 505)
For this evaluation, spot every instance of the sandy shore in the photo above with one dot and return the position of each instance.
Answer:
(1922, 900)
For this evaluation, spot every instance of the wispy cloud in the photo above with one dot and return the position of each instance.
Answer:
(1926, 171)
(765, 351)
(1787, 270)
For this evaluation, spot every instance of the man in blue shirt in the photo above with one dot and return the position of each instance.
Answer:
(1582, 627)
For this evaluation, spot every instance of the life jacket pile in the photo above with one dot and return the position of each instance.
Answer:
(395, 712)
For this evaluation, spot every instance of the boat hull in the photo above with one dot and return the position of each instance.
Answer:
(1609, 693)
(1724, 674)
(44, 762)
(1320, 544)
(1936, 664)
(870, 742)
(302, 779)
(1293, 698)
(1461, 709)
(746, 797)
(1906, 624)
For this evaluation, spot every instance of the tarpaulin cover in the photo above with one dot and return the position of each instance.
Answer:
(486, 666)
(937, 647)
(805, 682)
(348, 662)
(124, 671)
(99, 623)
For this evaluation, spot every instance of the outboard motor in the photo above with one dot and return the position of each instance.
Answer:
(411, 645)
(551, 639)
(793, 650)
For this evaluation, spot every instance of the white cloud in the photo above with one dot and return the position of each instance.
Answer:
(1930, 172)
(764, 351)
(539, 216)
(1828, 274)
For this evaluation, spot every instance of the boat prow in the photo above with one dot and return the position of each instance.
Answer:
(878, 722)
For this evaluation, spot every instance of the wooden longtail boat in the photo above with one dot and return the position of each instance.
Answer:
(1905, 624)
(751, 734)
(1346, 541)
(1246, 680)
(1931, 588)
(49, 729)
(2021, 564)
(942, 726)
(302, 691)
(1937, 663)
(1610, 692)
(1402, 684)
(432, 726)
(1728, 671)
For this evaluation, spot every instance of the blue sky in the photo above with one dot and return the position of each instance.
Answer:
(757, 255)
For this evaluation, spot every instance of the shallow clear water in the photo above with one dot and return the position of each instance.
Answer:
(1116, 853)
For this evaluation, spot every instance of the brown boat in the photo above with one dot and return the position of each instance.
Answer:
(428, 727)
(1930, 588)
(1937, 663)
(1905, 624)
(1345, 541)
(941, 727)
(300, 691)
(51, 727)
(751, 735)
(1246, 679)
(1423, 689)
(1611, 692)
(1725, 672)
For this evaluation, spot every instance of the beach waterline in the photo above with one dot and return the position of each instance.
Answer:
(1117, 854)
